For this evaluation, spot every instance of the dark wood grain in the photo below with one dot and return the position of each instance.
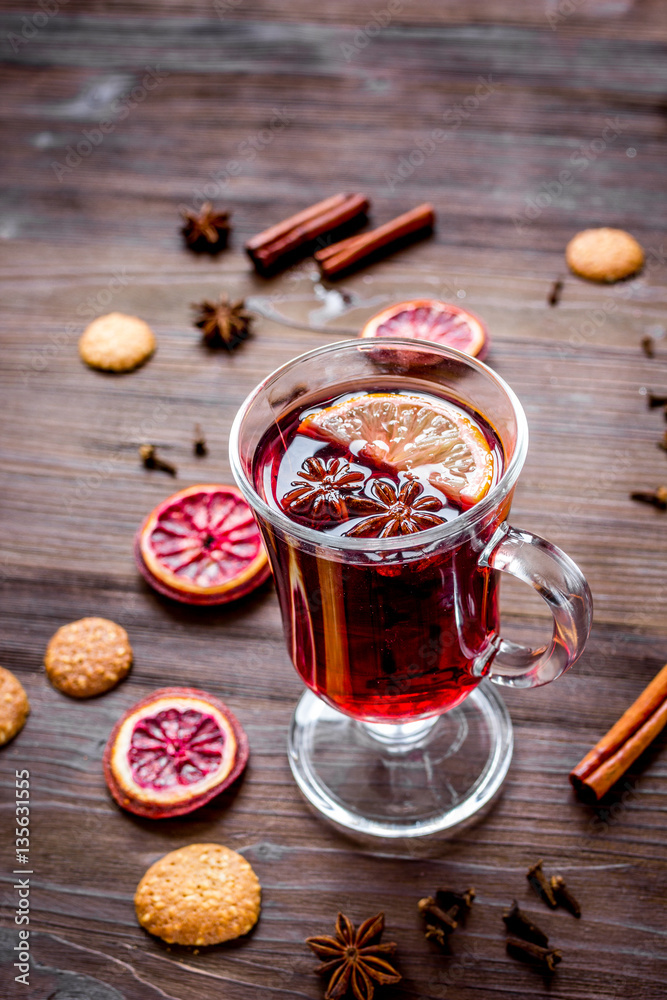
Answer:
(104, 235)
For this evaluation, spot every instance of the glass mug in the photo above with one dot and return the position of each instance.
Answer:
(399, 734)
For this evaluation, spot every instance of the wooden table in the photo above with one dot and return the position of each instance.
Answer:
(575, 87)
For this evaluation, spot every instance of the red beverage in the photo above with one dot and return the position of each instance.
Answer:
(384, 636)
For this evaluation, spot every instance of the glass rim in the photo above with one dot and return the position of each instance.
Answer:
(448, 530)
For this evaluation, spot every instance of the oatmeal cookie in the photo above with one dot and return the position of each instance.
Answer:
(198, 895)
(14, 706)
(88, 657)
(604, 254)
(116, 343)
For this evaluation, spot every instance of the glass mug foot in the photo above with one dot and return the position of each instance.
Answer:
(431, 779)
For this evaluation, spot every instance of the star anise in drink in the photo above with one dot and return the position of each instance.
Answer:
(323, 489)
(222, 323)
(207, 230)
(397, 512)
(353, 958)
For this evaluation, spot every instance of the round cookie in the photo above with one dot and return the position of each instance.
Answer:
(14, 706)
(88, 657)
(604, 254)
(116, 342)
(198, 895)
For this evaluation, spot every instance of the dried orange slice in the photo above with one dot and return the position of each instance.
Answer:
(405, 433)
(431, 320)
(202, 546)
(173, 751)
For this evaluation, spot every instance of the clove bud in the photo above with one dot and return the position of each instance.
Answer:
(540, 884)
(448, 900)
(429, 907)
(657, 499)
(437, 934)
(520, 925)
(151, 460)
(648, 346)
(563, 895)
(199, 444)
(527, 951)
(554, 294)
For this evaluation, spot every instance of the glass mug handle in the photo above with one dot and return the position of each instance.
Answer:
(559, 582)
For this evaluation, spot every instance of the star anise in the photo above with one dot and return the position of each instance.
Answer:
(223, 323)
(398, 512)
(353, 958)
(206, 230)
(326, 489)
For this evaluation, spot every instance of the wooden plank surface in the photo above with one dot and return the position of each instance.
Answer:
(104, 235)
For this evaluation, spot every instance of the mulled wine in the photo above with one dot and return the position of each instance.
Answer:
(383, 635)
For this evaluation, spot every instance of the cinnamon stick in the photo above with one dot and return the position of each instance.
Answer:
(626, 740)
(332, 251)
(343, 255)
(280, 242)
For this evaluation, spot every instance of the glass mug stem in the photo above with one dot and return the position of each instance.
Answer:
(399, 737)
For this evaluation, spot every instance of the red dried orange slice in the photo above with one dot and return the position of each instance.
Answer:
(405, 433)
(202, 546)
(173, 751)
(431, 320)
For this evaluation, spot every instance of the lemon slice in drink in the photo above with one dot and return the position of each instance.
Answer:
(405, 433)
